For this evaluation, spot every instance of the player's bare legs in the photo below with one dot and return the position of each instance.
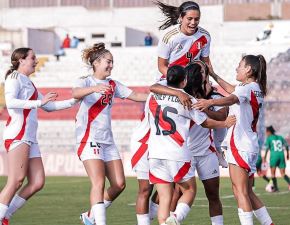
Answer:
(17, 171)
(188, 189)
(116, 177)
(165, 192)
(240, 182)
(259, 209)
(211, 187)
(255, 201)
(142, 202)
(35, 178)
(176, 196)
(95, 169)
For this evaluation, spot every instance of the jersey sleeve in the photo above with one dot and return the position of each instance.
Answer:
(12, 88)
(242, 93)
(206, 49)
(163, 49)
(197, 116)
(267, 144)
(285, 143)
(122, 91)
(80, 83)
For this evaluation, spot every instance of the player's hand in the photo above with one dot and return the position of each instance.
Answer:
(202, 104)
(185, 100)
(50, 96)
(230, 121)
(102, 88)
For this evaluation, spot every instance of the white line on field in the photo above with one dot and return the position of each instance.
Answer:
(229, 206)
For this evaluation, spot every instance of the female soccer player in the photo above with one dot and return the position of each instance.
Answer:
(169, 155)
(244, 100)
(96, 147)
(276, 144)
(200, 141)
(185, 41)
(23, 154)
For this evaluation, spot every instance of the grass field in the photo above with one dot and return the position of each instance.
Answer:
(63, 198)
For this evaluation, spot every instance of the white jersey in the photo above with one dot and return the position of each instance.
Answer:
(243, 136)
(218, 134)
(180, 49)
(93, 120)
(139, 142)
(200, 140)
(169, 124)
(22, 100)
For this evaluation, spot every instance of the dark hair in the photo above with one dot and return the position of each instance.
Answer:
(172, 13)
(95, 52)
(175, 75)
(270, 129)
(19, 53)
(194, 84)
(258, 66)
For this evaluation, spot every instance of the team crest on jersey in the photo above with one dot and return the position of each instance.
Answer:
(199, 45)
(179, 48)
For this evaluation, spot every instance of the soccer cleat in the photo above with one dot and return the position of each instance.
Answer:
(222, 161)
(5, 221)
(86, 220)
(172, 220)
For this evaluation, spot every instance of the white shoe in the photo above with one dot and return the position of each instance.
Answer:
(222, 162)
(86, 220)
(172, 220)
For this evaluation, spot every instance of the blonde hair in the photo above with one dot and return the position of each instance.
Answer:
(94, 53)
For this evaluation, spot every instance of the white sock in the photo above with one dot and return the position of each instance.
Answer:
(107, 203)
(217, 220)
(246, 218)
(143, 219)
(153, 210)
(99, 212)
(16, 203)
(3, 210)
(181, 211)
(263, 216)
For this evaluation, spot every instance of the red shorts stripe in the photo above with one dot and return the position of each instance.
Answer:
(235, 152)
(182, 172)
(156, 180)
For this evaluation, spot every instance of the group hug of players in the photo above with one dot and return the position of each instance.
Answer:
(185, 125)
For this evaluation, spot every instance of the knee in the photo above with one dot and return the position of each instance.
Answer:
(119, 186)
(16, 183)
(213, 197)
(38, 185)
(144, 192)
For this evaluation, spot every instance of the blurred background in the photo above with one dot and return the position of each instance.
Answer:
(58, 30)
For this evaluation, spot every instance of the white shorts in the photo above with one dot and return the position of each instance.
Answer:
(105, 152)
(163, 171)
(207, 167)
(34, 151)
(142, 175)
(245, 160)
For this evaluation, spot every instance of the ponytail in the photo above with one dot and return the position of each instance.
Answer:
(19, 53)
(172, 13)
(258, 67)
(262, 75)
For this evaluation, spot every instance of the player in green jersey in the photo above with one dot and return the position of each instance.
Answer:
(276, 144)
